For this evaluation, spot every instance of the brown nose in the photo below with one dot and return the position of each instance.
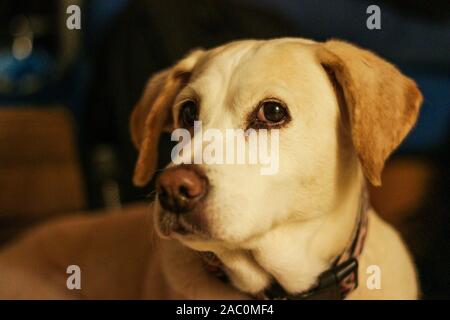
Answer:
(181, 188)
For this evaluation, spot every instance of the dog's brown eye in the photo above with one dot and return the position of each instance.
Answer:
(272, 112)
(188, 113)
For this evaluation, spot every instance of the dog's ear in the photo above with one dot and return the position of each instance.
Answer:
(152, 114)
(382, 104)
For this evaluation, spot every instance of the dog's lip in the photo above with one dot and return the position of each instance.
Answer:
(171, 225)
(188, 232)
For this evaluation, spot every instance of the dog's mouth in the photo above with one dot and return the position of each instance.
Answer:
(176, 226)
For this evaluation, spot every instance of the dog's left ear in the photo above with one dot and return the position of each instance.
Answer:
(382, 104)
(152, 114)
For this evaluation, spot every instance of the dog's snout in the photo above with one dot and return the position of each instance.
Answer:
(181, 188)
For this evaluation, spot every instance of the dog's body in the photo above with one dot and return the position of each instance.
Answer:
(341, 121)
(120, 258)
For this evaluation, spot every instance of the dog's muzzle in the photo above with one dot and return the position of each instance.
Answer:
(181, 191)
(181, 188)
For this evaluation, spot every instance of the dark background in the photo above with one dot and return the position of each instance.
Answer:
(65, 102)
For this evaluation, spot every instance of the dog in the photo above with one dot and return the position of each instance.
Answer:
(223, 231)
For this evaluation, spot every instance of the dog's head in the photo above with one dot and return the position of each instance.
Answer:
(339, 111)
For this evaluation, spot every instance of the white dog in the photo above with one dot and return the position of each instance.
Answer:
(340, 111)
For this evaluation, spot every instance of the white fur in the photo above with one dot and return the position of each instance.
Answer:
(290, 225)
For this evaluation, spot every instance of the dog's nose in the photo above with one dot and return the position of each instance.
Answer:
(181, 188)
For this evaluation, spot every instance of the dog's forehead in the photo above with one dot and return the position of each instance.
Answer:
(262, 56)
(236, 76)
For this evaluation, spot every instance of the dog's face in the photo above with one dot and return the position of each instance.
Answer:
(234, 87)
(336, 108)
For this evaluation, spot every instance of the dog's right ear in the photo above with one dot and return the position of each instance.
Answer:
(382, 103)
(152, 114)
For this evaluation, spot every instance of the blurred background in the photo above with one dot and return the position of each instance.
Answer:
(66, 97)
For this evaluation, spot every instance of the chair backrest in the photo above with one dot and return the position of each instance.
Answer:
(39, 167)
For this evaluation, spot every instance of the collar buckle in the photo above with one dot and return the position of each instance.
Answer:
(333, 284)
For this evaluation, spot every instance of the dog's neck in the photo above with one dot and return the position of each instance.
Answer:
(295, 254)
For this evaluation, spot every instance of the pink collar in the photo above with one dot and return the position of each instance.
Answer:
(334, 283)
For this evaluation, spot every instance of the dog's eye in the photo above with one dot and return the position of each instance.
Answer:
(188, 113)
(272, 112)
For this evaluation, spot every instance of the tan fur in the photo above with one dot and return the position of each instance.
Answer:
(288, 226)
(152, 114)
(382, 103)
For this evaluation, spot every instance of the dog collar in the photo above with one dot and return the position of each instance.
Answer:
(334, 283)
